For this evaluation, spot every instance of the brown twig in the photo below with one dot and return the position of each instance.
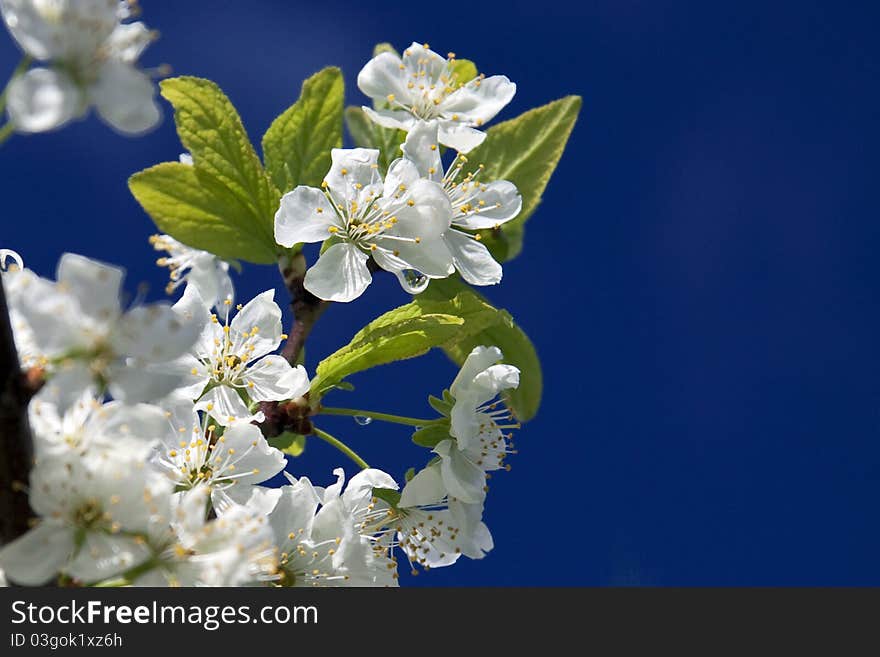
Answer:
(16, 444)
(306, 307)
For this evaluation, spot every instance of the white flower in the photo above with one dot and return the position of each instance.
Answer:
(475, 205)
(423, 86)
(92, 56)
(93, 520)
(14, 277)
(85, 337)
(475, 416)
(399, 222)
(204, 271)
(230, 358)
(90, 431)
(362, 558)
(194, 453)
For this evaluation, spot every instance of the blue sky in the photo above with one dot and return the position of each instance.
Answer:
(699, 279)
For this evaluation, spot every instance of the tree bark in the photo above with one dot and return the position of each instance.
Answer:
(16, 445)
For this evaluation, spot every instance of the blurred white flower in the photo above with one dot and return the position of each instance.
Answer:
(91, 56)
(204, 271)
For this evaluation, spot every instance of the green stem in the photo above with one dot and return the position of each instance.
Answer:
(385, 417)
(6, 132)
(21, 68)
(341, 446)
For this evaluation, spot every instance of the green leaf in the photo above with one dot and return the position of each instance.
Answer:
(463, 70)
(439, 405)
(191, 208)
(368, 134)
(289, 443)
(387, 494)
(409, 474)
(405, 332)
(297, 145)
(224, 203)
(525, 150)
(431, 435)
(384, 47)
(514, 344)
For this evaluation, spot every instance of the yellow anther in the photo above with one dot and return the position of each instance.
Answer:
(390, 98)
(344, 171)
(333, 230)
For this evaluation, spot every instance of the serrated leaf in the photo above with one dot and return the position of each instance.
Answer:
(368, 134)
(405, 332)
(191, 209)
(289, 443)
(525, 150)
(430, 435)
(518, 350)
(297, 145)
(211, 130)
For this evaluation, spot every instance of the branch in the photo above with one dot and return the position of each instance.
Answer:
(16, 445)
(306, 307)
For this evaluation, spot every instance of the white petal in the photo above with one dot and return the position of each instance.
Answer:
(304, 215)
(274, 379)
(429, 216)
(131, 381)
(418, 58)
(463, 480)
(95, 285)
(472, 259)
(499, 203)
(426, 487)
(382, 76)
(493, 380)
(253, 455)
(102, 556)
(154, 333)
(422, 149)
(340, 274)
(126, 98)
(402, 174)
(128, 41)
(67, 385)
(353, 174)
(460, 137)
(42, 99)
(395, 119)
(264, 315)
(223, 402)
(479, 100)
(32, 559)
(294, 512)
(257, 498)
(479, 359)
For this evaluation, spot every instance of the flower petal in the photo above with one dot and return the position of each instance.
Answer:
(305, 214)
(422, 149)
(255, 460)
(94, 284)
(273, 379)
(354, 174)
(464, 481)
(126, 98)
(223, 402)
(340, 274)
(102, 556)
(382, 76)
(472, 259)
(395, 119)
(479, 359)
(495, 203)
(479, 100)
(459, 136)
(154, 333)
(42, 99)
(33, 558)
(425, 488)
(258, 324)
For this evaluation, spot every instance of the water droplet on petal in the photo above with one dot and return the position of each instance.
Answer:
(362, 420)
(413, 281)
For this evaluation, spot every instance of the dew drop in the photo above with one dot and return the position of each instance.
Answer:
(362, 420)
(413, 281)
